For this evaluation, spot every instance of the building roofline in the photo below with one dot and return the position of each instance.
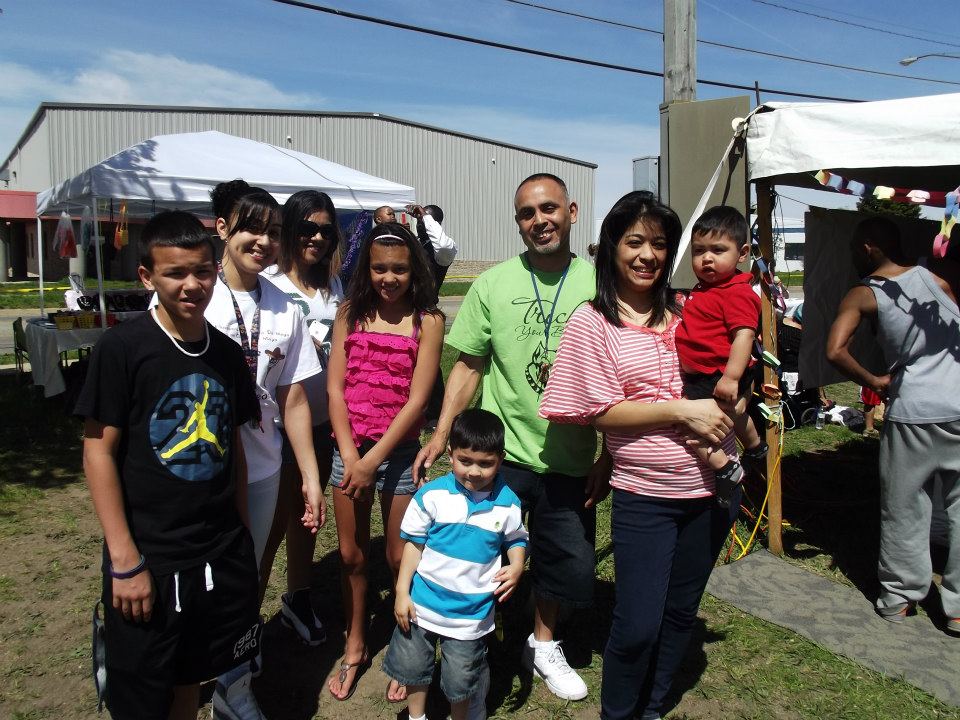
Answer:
(44, 106)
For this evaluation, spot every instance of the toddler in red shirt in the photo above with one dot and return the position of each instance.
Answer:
(715, 339)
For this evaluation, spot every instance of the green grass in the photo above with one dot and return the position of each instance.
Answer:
(791, 278)
(738, 666)
(454, 288)
(26, 294)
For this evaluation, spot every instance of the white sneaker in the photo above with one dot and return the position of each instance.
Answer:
(548, 663)
(236, 702)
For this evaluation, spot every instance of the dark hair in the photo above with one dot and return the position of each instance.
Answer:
(297, 208)
(363, 298)
(629, 209)
(545, 176)
(478, 430)
(173, 228)
(243, 206)
(722, 220)
(882, 233)
(435, 212)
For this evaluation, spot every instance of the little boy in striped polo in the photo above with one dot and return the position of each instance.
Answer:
(451, 573)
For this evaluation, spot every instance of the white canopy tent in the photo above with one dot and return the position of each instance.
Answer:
(179, 171)
(911, 143)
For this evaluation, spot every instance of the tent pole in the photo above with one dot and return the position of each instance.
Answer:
(98, 258)
(40, 261)
(768, 324)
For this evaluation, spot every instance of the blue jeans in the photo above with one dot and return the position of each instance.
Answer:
(663, 552)
(394, 475)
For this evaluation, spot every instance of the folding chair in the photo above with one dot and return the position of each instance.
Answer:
(20, 347)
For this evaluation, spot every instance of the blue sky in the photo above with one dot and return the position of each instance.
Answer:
(258, 53)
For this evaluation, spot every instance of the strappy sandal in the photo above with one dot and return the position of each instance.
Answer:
(346, 667)
(399, 685)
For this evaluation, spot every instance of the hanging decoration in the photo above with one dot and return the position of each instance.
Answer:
(832, 181)
(86, 229)
(941, 243)
(121, 236)
(64, 241)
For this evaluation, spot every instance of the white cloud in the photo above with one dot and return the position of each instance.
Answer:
(124, 76)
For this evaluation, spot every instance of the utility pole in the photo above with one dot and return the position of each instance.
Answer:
(679, 73)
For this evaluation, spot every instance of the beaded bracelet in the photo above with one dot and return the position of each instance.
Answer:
(132, 572)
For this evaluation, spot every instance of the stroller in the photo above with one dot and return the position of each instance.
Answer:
(801, 405)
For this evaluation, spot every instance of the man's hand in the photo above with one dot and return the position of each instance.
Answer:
(133, 597)
(727, 391)
(508, 577)
(415, 210)
(880, 385)
(426, 457)
(598, 480)
(404, 611)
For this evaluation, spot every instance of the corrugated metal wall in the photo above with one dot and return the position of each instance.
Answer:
(472, 180)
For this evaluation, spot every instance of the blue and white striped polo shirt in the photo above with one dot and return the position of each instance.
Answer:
(462, 541)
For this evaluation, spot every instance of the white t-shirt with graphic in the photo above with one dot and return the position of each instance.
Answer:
(286, 355)
(319, 312)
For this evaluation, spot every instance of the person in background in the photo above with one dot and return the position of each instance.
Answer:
(870, 402)
(440, 247)
(915, 316)
(306, 273)
(384, 214)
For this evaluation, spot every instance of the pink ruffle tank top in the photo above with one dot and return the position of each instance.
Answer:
(376, 384)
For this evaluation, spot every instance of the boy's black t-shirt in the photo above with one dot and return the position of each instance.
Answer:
(177, 415)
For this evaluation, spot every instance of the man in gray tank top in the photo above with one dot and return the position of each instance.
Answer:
(917, 324)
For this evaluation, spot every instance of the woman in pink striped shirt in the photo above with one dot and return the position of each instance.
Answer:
(617, 369)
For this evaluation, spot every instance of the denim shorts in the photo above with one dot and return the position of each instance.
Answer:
(411, 658)
(562, 533)
(394, 475)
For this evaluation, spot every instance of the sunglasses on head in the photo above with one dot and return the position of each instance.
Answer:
(308, 229)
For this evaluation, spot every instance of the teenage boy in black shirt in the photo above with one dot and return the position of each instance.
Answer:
(163, 402)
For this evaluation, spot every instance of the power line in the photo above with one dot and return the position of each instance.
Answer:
(779, 56)
(853, 24)
(864, 17)
(543, 53)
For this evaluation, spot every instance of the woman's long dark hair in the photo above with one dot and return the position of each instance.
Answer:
(363, 299)
(299, 207)
(243, 206)
(629, 209)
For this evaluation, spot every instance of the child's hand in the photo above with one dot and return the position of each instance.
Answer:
(357, 480)
(727, 391)
(404, 611)
(314, 507)
(508, 577)
(133, 597)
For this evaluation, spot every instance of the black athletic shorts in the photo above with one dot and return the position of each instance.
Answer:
(700, 386)
(204, 623)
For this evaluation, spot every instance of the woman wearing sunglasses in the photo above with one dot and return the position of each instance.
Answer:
(306, 272)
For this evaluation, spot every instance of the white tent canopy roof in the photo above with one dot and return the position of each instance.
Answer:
(910, 143)
(179, 171)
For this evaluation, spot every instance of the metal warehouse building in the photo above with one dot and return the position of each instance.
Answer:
(472, 178)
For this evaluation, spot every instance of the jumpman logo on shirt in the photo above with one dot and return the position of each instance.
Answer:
(200, 432)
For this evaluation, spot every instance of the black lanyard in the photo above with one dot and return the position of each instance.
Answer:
(249, 346)
(547, 319)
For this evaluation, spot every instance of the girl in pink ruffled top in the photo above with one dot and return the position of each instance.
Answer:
(383, 362)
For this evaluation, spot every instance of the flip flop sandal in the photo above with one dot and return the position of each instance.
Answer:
(345, 668)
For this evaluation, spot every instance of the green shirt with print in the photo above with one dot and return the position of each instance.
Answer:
(501, 320)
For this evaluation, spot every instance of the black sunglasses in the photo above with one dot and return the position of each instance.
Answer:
(308, 229)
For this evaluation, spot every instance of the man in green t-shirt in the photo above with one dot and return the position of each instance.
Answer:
(507, 332)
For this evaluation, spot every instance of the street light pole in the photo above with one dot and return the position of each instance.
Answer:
(913, 58)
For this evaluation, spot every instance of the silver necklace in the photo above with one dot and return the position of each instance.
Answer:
(206, 331)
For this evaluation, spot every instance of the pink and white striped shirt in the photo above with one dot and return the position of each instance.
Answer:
(598, 366)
